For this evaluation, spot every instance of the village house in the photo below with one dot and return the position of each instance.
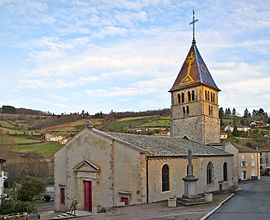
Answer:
(248, 163)
(246, 160)
(258, 124)
(243, 128)
(2, 179)
(264, 160)
(60, 139)
(102, 170)
(223, 135)
(228, 128)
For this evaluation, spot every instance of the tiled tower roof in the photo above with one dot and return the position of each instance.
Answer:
(193, 72)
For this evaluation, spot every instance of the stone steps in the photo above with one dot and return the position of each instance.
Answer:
(66, 215)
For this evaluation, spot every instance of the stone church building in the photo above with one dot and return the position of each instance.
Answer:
(102, 170)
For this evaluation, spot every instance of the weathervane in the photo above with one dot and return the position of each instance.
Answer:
(193, 22)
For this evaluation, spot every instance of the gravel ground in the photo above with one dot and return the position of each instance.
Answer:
(159, 211)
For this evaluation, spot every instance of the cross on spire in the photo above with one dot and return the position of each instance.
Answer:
(193, 23)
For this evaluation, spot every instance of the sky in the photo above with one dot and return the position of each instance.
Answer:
(67, 56)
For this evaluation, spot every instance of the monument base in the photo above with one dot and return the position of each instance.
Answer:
(196, 200)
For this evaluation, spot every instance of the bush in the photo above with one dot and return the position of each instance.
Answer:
(47, 197)
(16, 206)
(31, 187)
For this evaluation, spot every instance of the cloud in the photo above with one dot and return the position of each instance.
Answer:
(43, 84)
(139, 88)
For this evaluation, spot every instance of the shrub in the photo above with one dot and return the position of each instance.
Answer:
(31, 187)
(47, 197)
(16, 206)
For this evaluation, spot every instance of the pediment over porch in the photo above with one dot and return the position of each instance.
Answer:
(86, 166)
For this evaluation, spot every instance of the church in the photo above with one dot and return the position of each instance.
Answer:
(103, 170)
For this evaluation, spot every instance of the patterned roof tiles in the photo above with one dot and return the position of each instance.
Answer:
(193, 72)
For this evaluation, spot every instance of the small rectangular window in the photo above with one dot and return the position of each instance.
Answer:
(253, 163)
(243, 156)
(252, 156)
(182, 97)
(62, 195)
(244, 164)
(178, 98)
(193, 95)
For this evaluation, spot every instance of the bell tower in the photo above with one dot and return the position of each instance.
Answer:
(194, 100)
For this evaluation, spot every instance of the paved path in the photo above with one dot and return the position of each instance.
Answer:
(252, 202)
(158, 211)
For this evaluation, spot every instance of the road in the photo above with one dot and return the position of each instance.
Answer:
(252, 202)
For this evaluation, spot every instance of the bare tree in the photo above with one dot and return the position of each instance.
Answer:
(34, 165)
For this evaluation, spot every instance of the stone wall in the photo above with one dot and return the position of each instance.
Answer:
(177, 170)
(119, 173)
(197, 119)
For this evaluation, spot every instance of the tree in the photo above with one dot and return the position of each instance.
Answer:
(235, 131)
(233, 111)
(13, 174)
(261, 112)
(254, 112)
(34, 165)
(221, 112)
(8, 109)
(246, 113)
(30, 188)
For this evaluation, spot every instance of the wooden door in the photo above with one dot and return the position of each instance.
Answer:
(62, 192)
(87, 195)
(125, 200)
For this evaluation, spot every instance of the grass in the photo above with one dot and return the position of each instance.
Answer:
(128, 122)
(166, 117)
(20, 140)
(164, 123)
(227, 121)
(10, 131)
(132, 118)
(46, 149)
(6, 124)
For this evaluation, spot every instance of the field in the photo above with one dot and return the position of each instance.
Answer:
(127, 122)
(23, 139)
(46, 149)
(163, 123)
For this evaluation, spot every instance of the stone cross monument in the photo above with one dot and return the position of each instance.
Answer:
(190, 166)
(190, 196)
(190, 180)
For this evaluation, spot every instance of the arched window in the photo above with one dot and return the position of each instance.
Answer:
(189, 96)
(225, 172)
(184, 111)
(211, 97)
(209, 110)
(183, 97)
(214, 97)
(206, 95)
(209, 173)
(178, 98)
(193, 95)
(165, 178)
(187, 110)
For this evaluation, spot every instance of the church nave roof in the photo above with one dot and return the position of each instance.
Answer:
(162, 146)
